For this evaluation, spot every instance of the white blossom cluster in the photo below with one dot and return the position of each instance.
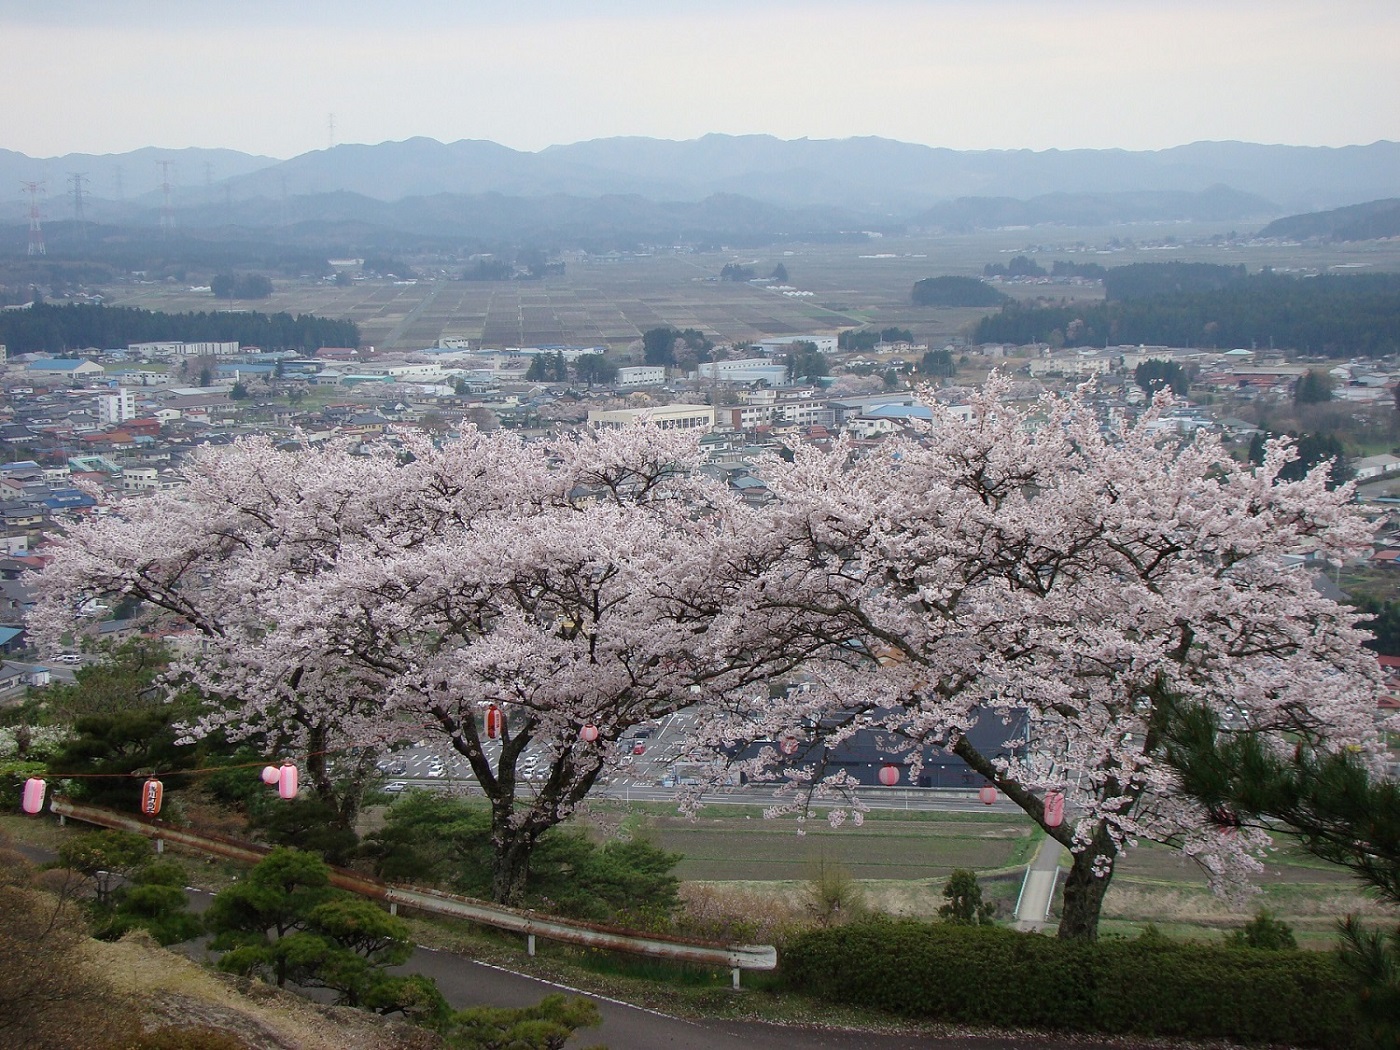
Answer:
(42, 741)
(1029, 565)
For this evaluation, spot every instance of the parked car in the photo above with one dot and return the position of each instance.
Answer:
(638, 747)
(68, 658)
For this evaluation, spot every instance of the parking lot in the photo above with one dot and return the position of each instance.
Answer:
(654, 757)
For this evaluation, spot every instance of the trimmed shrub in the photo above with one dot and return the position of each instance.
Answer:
(991, 976)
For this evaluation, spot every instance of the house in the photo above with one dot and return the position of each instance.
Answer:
(71, 369)
(14, 679)
(1375, 466)
(17, 599)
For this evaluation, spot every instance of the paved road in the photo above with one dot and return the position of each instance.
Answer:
(627, 1027)
(1039, 886)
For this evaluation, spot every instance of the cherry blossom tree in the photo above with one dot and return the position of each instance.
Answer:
(1038, 566)
(353, 600)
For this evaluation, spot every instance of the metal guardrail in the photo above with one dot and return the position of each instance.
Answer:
(1025, 880)
(736, 957)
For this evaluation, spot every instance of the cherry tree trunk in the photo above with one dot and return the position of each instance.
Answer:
(1084, 890)
(344, 803)
(511, 847)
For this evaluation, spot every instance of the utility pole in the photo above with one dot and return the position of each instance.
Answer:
(76, 179)
(36, 229)
(167, 207)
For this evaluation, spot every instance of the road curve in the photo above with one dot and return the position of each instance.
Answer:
(465, 982)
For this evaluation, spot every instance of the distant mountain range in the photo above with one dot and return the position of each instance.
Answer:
(713, 185)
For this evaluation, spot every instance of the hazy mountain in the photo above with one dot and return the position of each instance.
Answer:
(735, 189)
(871, 175)
(554, 219)
(115, 176)
(1217, 204)
(1359, 222)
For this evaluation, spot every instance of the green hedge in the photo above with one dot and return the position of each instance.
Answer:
(991, 976)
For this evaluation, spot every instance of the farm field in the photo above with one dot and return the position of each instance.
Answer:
(1159, 886)
(612, 303)
(752, 849)
(901, 864)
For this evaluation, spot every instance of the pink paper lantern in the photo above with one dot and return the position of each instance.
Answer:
(987, 795)
(152, 792)
(34, 789)
(270, 775)
(495, 722)
(1054, 808)
(588, 734)
(788, 745)
(287, 781)
(889, 775)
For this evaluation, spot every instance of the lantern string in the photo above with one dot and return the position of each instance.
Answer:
(209, 769)
(185, 772)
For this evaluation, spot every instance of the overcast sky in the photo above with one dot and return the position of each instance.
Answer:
(102, 76)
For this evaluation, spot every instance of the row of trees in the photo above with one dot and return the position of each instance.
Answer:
(805, 361)
(1336, 316)
(55, 329)
(955, 291)
(869, 338)
(1019, 266)
(1027, 566)
(587, 369)
(663, 346)
(241, 286)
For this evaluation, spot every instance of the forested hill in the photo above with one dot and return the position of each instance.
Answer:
(46, 328)
(1359, 222)
(1332, 315)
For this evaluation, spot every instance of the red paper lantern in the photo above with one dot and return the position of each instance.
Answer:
(495, 722)
(788, 745)
(889, 775)
(270, 775)
(34, 789)
(588, 734)
(987, 794)
(151, 794)
(287, 785)
(1054, 808)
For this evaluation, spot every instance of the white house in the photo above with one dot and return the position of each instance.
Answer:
(1375, 466)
